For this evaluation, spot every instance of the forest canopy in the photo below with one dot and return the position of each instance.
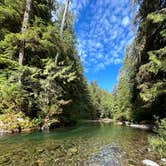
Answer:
(41, 76)
(141, 92)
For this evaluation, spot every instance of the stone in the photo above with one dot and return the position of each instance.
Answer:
(1, 127)
(127, 123)
(20, 119)
(108, 155)
(72, 151)
(3, 159)
(1, 123)
(149, 163)
(40, 162)
(119, 123)
(149, 149)
(142, 126)
(163, 160)
(40, 150)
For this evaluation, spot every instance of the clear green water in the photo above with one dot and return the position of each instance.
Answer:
(77, 146)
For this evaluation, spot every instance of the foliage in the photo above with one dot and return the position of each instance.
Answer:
(102, 101)
(123, 93)
(13, 122)
(158, 142)
(45, 86)
(141, 91)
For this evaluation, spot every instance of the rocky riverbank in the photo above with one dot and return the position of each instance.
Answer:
(126, 123)
(101, 120)
(17, 129)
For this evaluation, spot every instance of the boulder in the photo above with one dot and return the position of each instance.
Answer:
(142, 126)
(163, 160)
(149, 163)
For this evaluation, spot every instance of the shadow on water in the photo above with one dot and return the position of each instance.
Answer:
(84, 144)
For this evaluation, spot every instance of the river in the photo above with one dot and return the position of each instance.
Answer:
(90, 144)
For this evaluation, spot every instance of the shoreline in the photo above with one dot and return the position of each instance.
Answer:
(148, 127)
(27, 130)
(102, 120)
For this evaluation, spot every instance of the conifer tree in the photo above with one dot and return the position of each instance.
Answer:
(48, 93)
(147, 55)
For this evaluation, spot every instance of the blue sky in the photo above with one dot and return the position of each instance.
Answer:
(103, 29)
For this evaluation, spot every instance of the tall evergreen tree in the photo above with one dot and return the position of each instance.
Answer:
(147, 91)
(48, 92)
(102, 101)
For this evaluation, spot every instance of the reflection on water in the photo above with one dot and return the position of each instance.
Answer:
(86, 144)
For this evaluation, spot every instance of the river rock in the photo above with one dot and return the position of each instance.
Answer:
(142, 126)
(108, 155)
(21, 119)
(1, 123)
(4, 159)
(119, 123)
(163, 160)
(127, 123)
(40, 150)
(149, 163)
(72, 151)
(1, 127)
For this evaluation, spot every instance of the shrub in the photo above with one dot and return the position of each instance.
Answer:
(158, 142)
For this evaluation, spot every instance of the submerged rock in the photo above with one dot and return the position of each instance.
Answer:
(109, 155)
(40, 150)
(4, 159)
(72, 151)
(149, 163)
(163, 160)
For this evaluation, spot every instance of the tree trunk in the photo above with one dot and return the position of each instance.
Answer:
(23, 30)
(64, 17)
(63, 25)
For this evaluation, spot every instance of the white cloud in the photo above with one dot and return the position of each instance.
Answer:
(102, 31)
(117, 61)
(100, 56)
(125, 21)
(99, 66)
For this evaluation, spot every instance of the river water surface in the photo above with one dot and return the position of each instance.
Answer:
(91, 144)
